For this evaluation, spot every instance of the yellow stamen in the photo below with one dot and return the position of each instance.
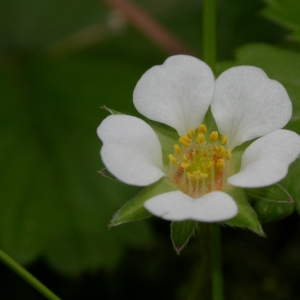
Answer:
(216, 148)
(224, 139)
(210, 164)
(186, 138)
(184, 142)
(191, 133)
(227, 154)
(185, 158)
(191, 176)
(221, 150)
(204, 175)
(199, 175)
(220, 164)
(214, 136)
(185, 165)
(202, 128)
(173, 159)
(177, 149)
(200, 138)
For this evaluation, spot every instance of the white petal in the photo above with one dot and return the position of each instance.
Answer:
(177, 206)
(267, 159)
(247, 104)
(131, 150)
(176, 93)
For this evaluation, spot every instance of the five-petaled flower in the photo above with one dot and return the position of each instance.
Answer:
(245, 104)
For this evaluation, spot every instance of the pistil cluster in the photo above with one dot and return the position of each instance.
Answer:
(200, 163)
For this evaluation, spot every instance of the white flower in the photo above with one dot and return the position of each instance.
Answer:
(245, 104)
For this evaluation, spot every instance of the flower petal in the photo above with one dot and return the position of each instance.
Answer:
(247, 104)
(176, 93)
(267, 159)
(177, 206)
(131, 150)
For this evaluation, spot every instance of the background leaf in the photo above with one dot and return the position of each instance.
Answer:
(60, 61)
(286, 13)
(49, 160)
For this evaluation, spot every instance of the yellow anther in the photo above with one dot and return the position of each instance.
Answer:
(186, 138)
(177, 149)
(202, 128)
(185, 165)
(191, 175)
(220, 163)
(214, 136)
(185, 158)
(204, 175)
(210, 164)
(216, 148)
(224, 139)
(191, 133)
(200, 138)
(221, 150)
(197, 174)
(184, 142)
(200, 175)
(227, 154)
(173, 159)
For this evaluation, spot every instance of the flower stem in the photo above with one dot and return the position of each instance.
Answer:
(27, 276)
(209, 33)
(209, 56)
(216, 262)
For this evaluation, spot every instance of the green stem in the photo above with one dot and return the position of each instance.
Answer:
(27, 276)
(209, 33)
(216, 262)
(209, 56)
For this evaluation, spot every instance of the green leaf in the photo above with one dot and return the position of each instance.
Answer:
(134, 209)
(246, 217)
(181, 232)
(271, 203)
(279, 64)
(285, 13)
(36, 24)
(53, 201)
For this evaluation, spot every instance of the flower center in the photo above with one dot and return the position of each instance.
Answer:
(200, 164)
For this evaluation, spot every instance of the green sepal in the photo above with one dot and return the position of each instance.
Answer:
(181, 232)
(246, 217)
(167, 136)
(111, 111)
(291, 183)
(271, 203)
(134, 209)
(105, 173)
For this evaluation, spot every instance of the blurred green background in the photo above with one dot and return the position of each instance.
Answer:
(60, 61)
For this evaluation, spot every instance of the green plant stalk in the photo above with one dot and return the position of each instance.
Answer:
(216, 262)
(27, 276)
(209, 33)
(209, 56)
